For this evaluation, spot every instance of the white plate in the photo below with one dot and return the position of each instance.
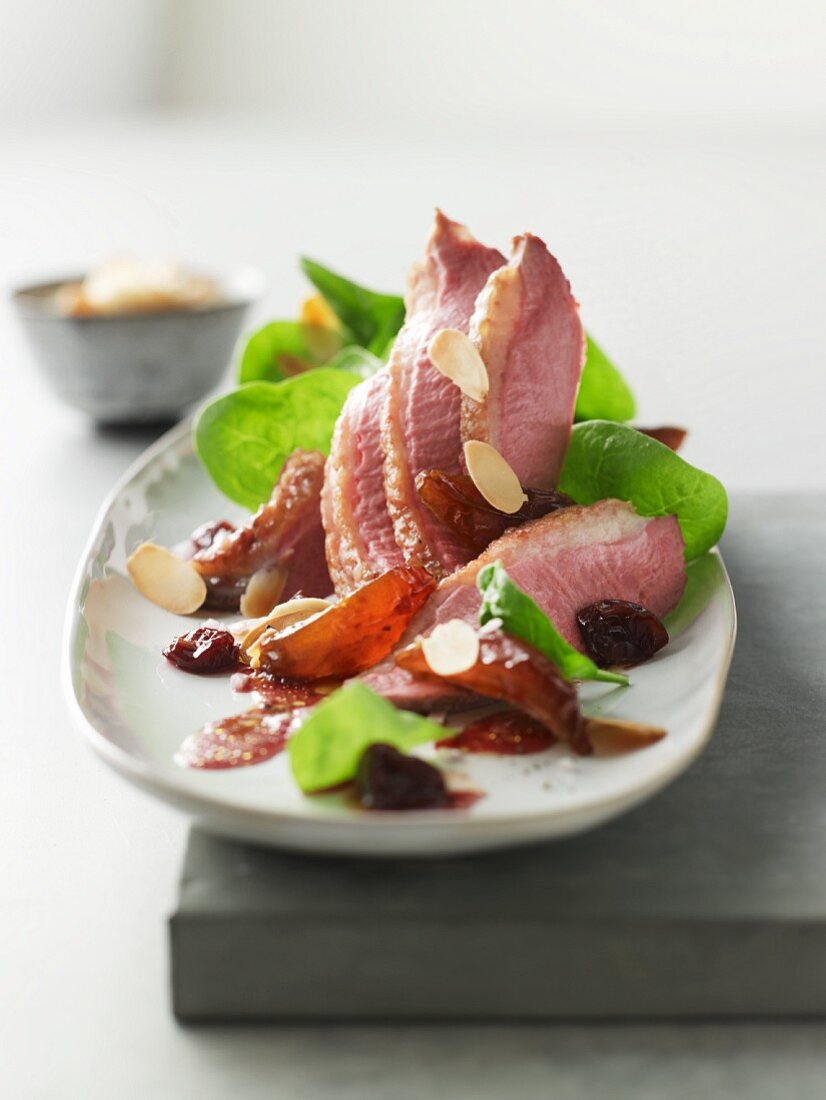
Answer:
(135, 709)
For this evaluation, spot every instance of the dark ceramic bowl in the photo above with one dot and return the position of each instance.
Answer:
(136, 367)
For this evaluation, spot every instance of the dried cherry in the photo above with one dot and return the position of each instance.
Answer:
(204, 536)
(353, 635)
(388, 780)
(619, 634)
(513, 672)
(204, 650)
(455, 500)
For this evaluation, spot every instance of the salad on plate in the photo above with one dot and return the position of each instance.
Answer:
(452, 526)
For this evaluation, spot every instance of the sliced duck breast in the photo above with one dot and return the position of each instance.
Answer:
(286, 532)
(422, 410)
(360, 538)
(564, 561)
(527, 329)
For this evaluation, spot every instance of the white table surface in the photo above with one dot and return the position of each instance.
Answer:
(698, 259)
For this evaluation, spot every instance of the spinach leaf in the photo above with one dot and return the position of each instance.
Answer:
(327, 748)
(374, 319)
(283, 348)
(357, 361)
(521, 617)
(612, 460)
(603, 393)
(244, 437)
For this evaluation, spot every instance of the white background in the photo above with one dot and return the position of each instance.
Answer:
(673, 157)
(435, 62)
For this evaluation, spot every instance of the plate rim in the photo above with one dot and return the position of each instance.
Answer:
(197, 803)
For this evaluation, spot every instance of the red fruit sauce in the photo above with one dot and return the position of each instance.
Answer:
(279, 694)
(503, 734)
(249, 738)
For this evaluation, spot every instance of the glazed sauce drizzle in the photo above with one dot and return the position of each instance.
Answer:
(502, 734)
(249, 738)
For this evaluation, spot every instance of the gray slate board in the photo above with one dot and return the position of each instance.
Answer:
(710, 900)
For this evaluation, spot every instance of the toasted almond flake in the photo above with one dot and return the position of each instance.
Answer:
(456, 356)
(493, 477)
(263, 592)
(166, 580)
(293, 611)
(615, 735)
(451, 648)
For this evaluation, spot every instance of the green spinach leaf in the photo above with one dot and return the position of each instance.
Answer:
(605, 459)
(372, 318)
(525, 619)
(244, 437)
(327, 748)
(603, 393)
(357, 361)
(274, 351)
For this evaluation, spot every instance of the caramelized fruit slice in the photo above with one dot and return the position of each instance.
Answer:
(353, 635)
(516, 673)
(620, 634)
(455, 500)
(388, 780)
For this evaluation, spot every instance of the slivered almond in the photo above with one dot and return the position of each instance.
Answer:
(614, 735)
(293, 611)
(493, 477)
(451, 648)
(263, 592)
(166, 580)
(456, 356)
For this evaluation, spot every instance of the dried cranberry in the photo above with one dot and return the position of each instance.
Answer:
(620, 634)
(203, 650)
(389, 780)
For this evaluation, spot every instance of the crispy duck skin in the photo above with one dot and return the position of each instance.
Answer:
(360, 540)
(513, 672)
(285, 531)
